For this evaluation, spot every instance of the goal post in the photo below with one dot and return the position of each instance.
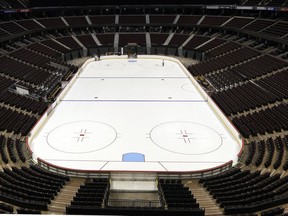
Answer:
(132, 50)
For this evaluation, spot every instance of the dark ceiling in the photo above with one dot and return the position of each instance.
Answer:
(52, 3)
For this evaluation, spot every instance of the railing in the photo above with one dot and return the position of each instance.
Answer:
(135, 203)
(197, 174)
(135, 175)
(72, 172)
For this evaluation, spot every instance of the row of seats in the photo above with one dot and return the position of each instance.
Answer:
(275, 148)
(273, 211)
(177, 40)
(271, 27)
(277, 30)
(222, 49)
(87, 201)
(18, 70)
(261, 153)
(27, 187)
(143, 211)
(43, 173)
(11, 150)
(239, 22)
(36, 68)
(28, 211)
(244, 72)
(269, 120)
(8, 4)
(53, 54)
(258, 25)
(262, 3)
(95, 192)
(69, 42)
(175, 195)
(14, 121)
(5, 83)
(243, 98)
(14, 4)
(196, 41)
(23, 102)
(269, 89)
(10, 145)
(280, 149)
(88, 41)
(45, 50)
(223, 61)
(241, 192)
(30, 57)
(6, 209)
(38, 60)
(212, 44)
(276, 84)
(56, 46)
(3, 152)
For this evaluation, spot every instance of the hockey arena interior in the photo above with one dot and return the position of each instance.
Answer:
(144, 107)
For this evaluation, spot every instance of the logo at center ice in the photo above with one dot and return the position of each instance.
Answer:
(82, 135)
(185, 136)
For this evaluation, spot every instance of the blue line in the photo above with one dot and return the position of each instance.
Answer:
(149, 101)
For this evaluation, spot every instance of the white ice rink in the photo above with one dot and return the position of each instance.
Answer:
(134, 115)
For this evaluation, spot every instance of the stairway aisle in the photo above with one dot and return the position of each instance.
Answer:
(203, 197)
(64, 197)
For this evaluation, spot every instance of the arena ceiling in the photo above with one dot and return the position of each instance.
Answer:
(51, 3)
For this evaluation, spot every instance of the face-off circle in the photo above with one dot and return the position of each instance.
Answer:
(81, 137)
(186, 138)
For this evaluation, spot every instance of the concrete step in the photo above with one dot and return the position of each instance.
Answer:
(203, 197)
(64, 197)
